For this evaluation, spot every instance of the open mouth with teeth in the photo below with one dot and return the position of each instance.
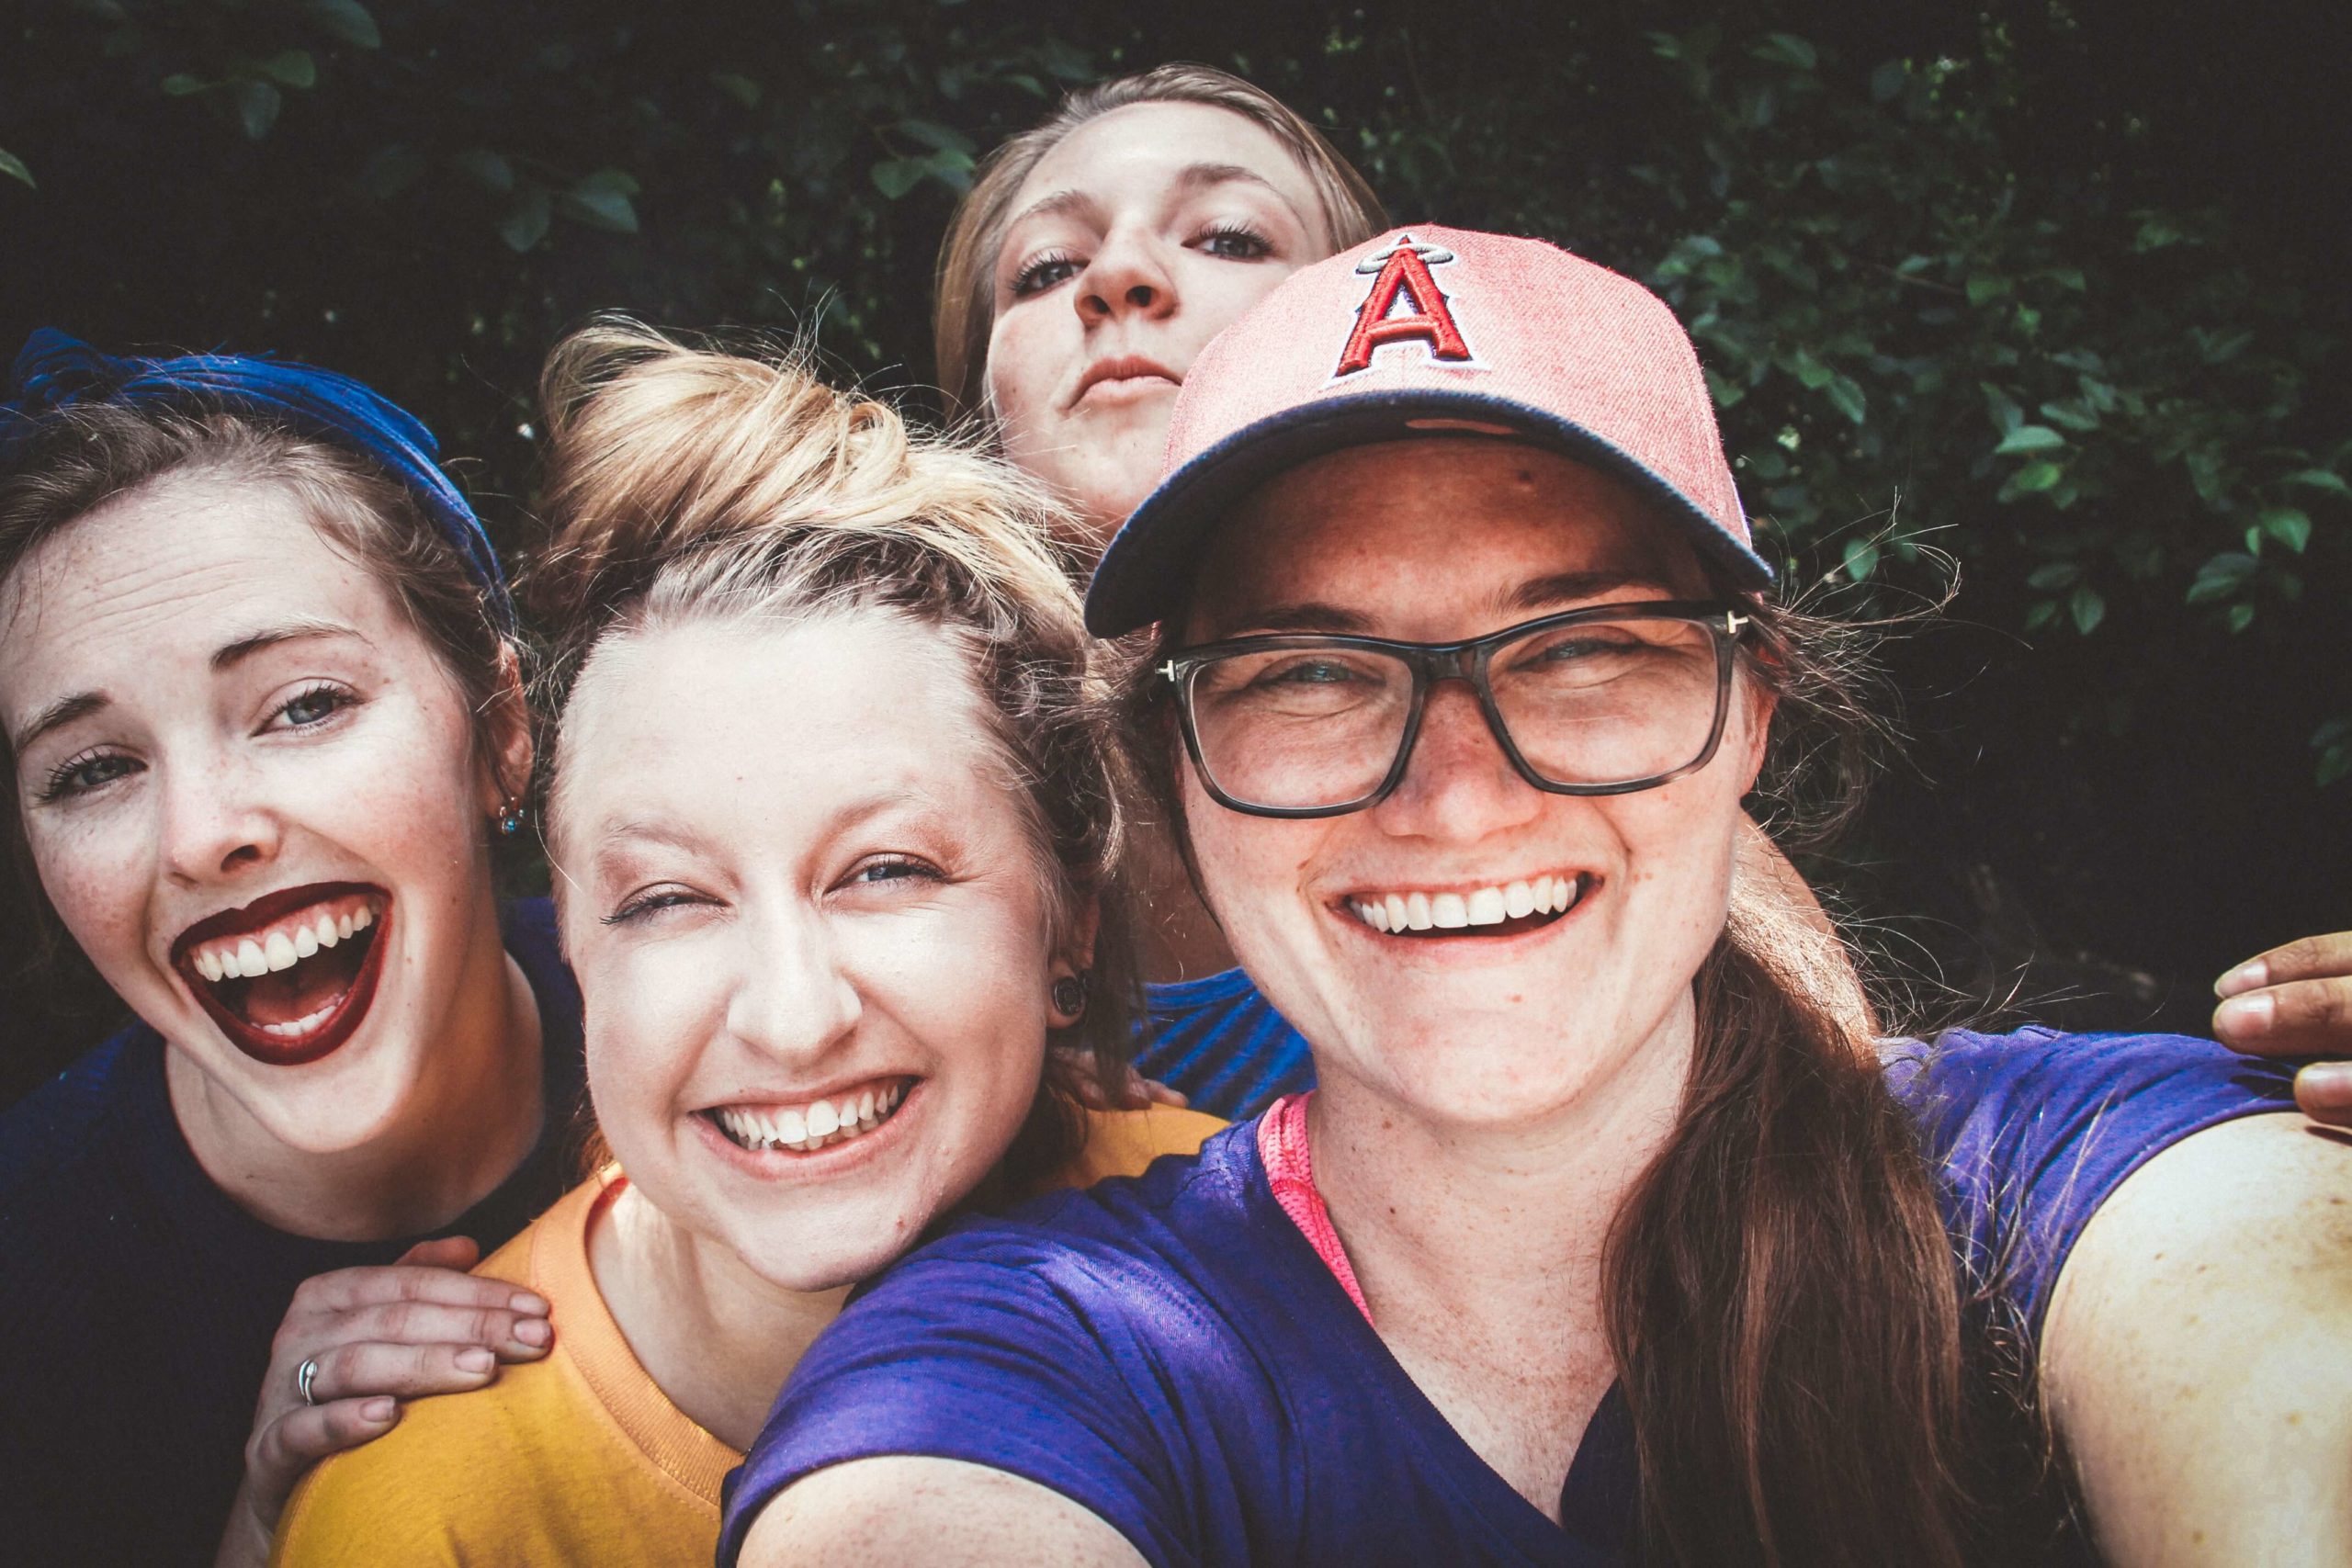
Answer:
(288, 978)
(806, 1127)
(1505, 910)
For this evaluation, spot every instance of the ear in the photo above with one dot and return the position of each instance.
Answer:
(1756, 706)
(1078, 943)
(507, 728)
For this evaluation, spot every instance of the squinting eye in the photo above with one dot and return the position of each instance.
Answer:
(1309, 672)
(891, 871)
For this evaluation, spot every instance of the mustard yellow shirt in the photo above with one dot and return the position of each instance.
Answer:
(579, 1457)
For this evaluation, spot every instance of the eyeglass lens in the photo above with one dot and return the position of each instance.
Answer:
(1591, 704)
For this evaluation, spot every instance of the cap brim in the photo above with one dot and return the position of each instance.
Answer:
(1150, 565)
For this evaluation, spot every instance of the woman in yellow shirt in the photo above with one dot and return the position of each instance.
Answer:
(832, 835)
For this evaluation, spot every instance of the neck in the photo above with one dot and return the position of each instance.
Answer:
(472, 1116)
(716, 1339)
(1480, 1247)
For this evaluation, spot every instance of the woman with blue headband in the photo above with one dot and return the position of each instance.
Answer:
(263, 723)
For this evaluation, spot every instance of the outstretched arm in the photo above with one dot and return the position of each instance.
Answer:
(937, 1513)
(2197, 1354)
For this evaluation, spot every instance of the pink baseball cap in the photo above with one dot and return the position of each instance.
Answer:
(1430, 331)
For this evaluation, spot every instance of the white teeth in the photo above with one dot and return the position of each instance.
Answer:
(362, 918)
(305, 943)
(250, 961)
(343, 926)
(324, 932)
(279, 950)
(206, 965)
(1478, 907)
(818, 1125)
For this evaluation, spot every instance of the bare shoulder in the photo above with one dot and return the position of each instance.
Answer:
(941, 1513)
(2197, 1354)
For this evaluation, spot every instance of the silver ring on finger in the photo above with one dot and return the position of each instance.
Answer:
(303, 1375)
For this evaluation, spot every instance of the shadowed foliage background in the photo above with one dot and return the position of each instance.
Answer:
(2048, 292)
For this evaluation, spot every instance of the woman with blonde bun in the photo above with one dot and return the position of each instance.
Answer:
(833, 834)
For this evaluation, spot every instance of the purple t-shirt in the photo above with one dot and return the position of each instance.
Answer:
(1169, 1351)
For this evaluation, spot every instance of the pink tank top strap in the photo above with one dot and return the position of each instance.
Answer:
(1290, 1171)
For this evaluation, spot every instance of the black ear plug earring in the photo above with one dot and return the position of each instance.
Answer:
(1070, 997)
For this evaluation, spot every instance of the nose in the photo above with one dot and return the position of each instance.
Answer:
(1458, 787)
(1127, 275)
(792, 1000)
(215, 822)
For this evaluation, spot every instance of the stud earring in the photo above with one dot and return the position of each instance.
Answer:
(1070, 997)
(510, 817)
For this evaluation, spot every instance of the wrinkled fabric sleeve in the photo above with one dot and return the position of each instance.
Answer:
(997, 1350)
(2029, 1132)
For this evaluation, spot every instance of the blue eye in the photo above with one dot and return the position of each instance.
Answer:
(80, 775)
(313, 706)
(1309, 672)
(878, 871)
(1044, 273)
(1236, 242)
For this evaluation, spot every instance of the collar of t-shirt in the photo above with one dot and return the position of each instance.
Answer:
(1602, 1491)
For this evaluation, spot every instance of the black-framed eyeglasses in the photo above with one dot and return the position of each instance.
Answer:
(1600, 701)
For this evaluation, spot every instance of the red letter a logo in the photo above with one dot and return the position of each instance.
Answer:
(1405, 268)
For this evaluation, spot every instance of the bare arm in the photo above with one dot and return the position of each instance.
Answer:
(937, 1513)
(2198, 1355)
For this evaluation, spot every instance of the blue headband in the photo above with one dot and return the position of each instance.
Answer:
(54, 371)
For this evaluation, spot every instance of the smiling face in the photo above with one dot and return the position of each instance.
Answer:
(253, 794)
(1139, 237)
(1492, 1021)
(807, 917)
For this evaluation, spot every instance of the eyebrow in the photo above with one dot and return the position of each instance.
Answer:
(229, 654)
(1533, 596)
(1193, 177)
(55, 716)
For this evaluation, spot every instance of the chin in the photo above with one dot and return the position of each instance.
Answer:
(810, 1253)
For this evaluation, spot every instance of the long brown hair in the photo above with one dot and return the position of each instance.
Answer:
(964, 294)
(1781, 1298)
(692, 482)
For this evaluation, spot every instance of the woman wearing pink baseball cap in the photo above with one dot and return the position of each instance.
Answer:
(1597, 1241)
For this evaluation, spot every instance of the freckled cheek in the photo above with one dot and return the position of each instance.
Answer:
(1026, 359)
(649, 1020)
(99, 882)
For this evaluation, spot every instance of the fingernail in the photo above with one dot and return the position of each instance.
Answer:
(533, 1331)
(529, 1304)
(2245, 1016)
(475, 1359)
(2251, 975)
(2325, 1084)
(378, 1410)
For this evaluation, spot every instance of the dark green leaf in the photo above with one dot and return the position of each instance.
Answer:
(1861, 558)
(526, 223)
(14, 167)
(1888, 79)
(2321, 478)
(1848, 396)
(180, 84)
(2290, 526)
(896, 176)
(2029, 438)
(2221, 577)
(292, 68)
(1983, 288)
(2051, 578)
(2087, 608)
(2040, 614)
(742, 89)
(2036, 477)
(601, 200)
(258, 105)
(487, 169)
(345, 19)
(1787, 48)
(2239, 616)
